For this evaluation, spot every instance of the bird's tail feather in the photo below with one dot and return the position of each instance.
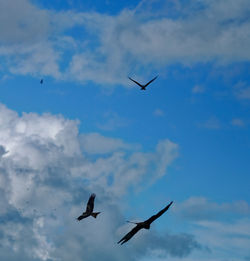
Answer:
(94, 214)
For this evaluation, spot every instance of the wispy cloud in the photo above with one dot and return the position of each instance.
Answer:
(159, 112)
(238, 122)
(242, 91)
(95, 143)
(200, 208)
(198, 89)
(112, 121)
(222, 227)
(212, 123)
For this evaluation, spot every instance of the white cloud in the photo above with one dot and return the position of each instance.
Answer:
(198, 37)
(22, 22)
(108, 47)
(48, 170)
(24, 39)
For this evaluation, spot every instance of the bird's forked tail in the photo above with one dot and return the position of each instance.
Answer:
(94, 214)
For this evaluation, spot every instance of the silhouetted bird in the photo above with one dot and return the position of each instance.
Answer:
(89, 209)
(143, 87)
(41, 81)
(145, 224)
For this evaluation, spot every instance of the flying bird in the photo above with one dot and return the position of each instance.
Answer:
(143, 87)
(41, 81)
(145, 224)
(89, 209)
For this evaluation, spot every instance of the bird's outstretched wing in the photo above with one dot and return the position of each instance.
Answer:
(84, 215)
(154, 217)
(90, 205)
(129, 235)
(150, 81)
(136, 82)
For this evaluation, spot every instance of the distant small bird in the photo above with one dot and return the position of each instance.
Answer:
(143, 87)
(145, 224)
(41, 81)
(89, 209)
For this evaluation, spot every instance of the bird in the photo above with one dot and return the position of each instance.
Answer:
(143, 87)
(89, 209)
(41, 81)
(145, 224)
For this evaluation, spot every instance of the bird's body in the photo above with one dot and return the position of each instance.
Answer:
(145, 224)
(143, 86)
(41, 81)
(89, 209)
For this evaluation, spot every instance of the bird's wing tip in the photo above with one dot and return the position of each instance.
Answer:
(171, 203)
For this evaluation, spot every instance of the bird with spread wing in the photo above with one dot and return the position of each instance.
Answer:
(145, 224)
(143, 86)
(89, 209)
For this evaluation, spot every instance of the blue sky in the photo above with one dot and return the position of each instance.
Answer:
(88, 128)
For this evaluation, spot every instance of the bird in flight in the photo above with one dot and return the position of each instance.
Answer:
(89, 209)
(145, 224)
(143, 87)
(41, 81)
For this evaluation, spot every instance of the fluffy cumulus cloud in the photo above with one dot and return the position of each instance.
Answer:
(39, 41)
(47, 172)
